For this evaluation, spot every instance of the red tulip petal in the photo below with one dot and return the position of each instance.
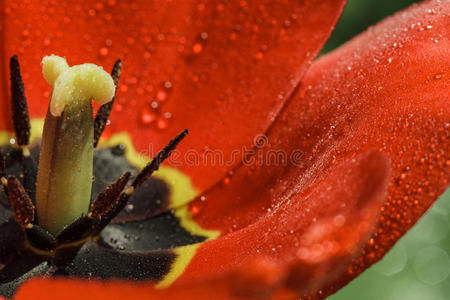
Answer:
(299, 245)
(206, 67)
(387, 89)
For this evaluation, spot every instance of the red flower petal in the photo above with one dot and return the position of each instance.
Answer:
(208, 67)
(286, 249)
(385, 90)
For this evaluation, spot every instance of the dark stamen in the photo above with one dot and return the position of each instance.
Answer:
(30, 171)
(159, 158)
(40, 238)
(2, 166)
(20, 202)
(4, 182)
(111, 213)
(105, 110)
(109, 196)
(20, 115)
(119, 205)
(76, 231)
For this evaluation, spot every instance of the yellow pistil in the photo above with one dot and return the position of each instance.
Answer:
(64, 183)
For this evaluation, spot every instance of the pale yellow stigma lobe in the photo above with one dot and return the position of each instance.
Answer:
(76, 85)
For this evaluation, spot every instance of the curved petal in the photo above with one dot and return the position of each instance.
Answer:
(299, 244)
(208, 67)
(387, 89)
(382, 91)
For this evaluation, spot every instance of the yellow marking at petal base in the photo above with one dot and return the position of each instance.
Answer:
(37, 125)
(186, 253)
(188, 223)
(5, 137)
(183, 258)
(181, 192)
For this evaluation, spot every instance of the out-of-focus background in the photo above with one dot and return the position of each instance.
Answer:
(418, 267)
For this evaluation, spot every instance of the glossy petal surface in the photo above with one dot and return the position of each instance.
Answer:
(384, 90)
(206, 66)
(299, 245)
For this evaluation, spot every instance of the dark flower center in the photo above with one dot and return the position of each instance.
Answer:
(129, 231)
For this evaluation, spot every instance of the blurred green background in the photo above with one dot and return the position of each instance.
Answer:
(418, 267)
(360, 14)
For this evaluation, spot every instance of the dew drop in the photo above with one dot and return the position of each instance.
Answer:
(129, 207)
(197, 48)
(162, 123)
(154, 104)
(439, 76)
(103, 51)
(123, 88)
(147, 55)
(147, 117)
(195, 209)
(118, 107)
(161, 95)
(47, 41)
(168, 85)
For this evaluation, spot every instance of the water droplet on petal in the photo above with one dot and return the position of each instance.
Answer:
(147, 117)
(197, 48)
(154, 104)
(103, 51)
(161, 96)
(162, 123)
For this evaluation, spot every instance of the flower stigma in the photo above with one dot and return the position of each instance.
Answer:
(64, 181)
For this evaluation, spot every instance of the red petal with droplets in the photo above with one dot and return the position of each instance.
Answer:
(383, 92)
(387, 90)
(208, 67)
(300, 245)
